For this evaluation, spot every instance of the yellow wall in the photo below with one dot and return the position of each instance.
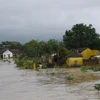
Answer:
(72, 61)
(94, 52)
(88, 53)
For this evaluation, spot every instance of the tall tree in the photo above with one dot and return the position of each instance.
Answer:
(95, 44)
(52, 46)
(80, 36)
(31, 48)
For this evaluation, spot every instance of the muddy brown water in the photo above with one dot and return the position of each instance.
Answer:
(46, 84)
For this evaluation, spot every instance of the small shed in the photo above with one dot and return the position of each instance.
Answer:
(7, 54)
(74, 59)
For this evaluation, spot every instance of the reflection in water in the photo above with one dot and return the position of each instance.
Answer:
(46, 84)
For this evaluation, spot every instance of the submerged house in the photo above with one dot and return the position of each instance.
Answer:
(74, 59)
(81, 55)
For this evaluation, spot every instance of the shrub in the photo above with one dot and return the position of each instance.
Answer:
(96, 68)
(85, 68)
(19, 63)
(69, 77)
(97, 87)
(28, 64)
(44, 65)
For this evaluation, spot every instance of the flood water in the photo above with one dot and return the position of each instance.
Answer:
(16, 84)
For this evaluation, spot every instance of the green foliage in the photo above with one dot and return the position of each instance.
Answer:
(19, 62)
(63, 52)
(12, 44)
(31, 48)
(37, 49)
(85, 68)
(28, 64)
(44, 65)
(96, 68)
(69, 77)
(80, 36)
(53, 46)
(97, 87)
(52, 74)
(95, 44)
(36, 60)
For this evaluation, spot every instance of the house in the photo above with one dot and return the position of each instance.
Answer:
(7, 54)
(87, 53)
(15, 52)
(81, 56)
(74, 58)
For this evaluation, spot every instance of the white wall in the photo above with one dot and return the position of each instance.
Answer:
(7, 54)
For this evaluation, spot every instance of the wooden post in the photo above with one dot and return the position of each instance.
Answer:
(34, 65)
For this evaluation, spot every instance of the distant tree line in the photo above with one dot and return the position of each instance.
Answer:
(36, 48)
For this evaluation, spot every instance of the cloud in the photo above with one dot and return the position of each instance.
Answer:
(22, 20)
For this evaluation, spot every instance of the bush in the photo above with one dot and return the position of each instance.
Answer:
(44, 65)
(85, 68)
(69, 77)
(61, 61)
(19, 63)
(97, 87)
(28, 64)
(96, 68)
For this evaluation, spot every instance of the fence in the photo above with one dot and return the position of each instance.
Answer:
(90, 62)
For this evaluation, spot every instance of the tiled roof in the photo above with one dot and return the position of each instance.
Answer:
(15, 51)
(1, 51)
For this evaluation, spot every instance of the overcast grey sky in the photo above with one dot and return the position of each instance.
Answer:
(23, 20)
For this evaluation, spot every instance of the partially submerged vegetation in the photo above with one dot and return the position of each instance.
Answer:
(97, 87)
(26, 63)
(94, 68)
